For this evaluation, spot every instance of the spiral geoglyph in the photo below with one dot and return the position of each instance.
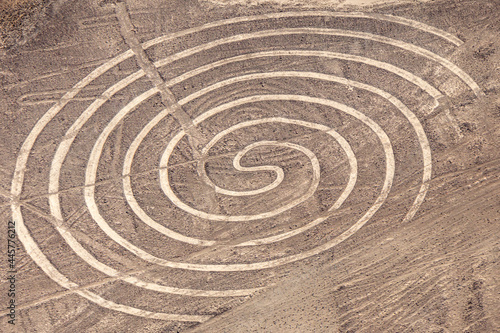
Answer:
(297, 127)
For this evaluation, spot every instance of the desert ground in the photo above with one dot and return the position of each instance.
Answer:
(250, 166)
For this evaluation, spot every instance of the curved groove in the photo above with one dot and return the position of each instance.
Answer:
(332, 32)
(280, 175)
(348, 189)
(23, 233)
(101, 222)
(390, 18)
(410, 77)
(44, 263)
(138, 210)
(165, 185)
(164, 181)
(73, 242)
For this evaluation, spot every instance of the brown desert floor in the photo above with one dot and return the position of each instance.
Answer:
(340, 171)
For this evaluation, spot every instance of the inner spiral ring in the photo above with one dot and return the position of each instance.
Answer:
(92, 169)
(165, 183)
(129, 195)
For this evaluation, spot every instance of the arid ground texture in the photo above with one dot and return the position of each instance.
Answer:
(250, 166)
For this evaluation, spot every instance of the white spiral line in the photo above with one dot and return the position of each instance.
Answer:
(280, 175)
(165, 183)
(331, 32)
(137, 141)
(345, 193)
(18, 179)
(94, 211)
(381, 17)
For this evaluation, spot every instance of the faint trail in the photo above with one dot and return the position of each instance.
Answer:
(196, 138)
(117, 151)
(56, 73)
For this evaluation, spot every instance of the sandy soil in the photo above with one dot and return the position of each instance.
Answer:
(337, 4)
(20, 20)
(340, 170)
